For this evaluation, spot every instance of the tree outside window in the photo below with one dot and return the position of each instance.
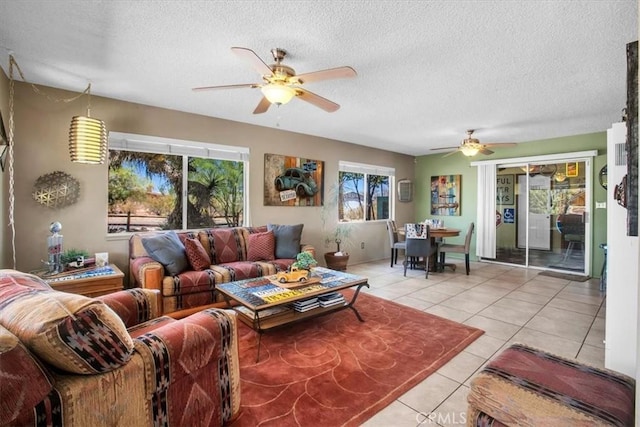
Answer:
(145, 192)
(363, 196)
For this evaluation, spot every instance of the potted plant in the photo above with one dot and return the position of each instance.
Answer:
(339, 259)
(305, 261)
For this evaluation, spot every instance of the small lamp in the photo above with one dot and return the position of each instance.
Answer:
(87, 138)
(278, 93)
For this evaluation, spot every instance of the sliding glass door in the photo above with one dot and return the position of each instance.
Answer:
(542, 214)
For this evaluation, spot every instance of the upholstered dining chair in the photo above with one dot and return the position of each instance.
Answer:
(418, 245)
(393, 241)
(460, 249)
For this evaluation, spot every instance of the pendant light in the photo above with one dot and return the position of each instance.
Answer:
(87, 137)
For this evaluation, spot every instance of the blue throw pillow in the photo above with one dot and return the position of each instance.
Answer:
(168, 250)
(287, 239)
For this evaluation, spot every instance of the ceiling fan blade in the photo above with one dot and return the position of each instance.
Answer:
(251, 85)
(501, 144)
(257, 63)
(263, 106)
(317, 100)
(483, 150)
(332, 73)
(449, 154)
(444, 148)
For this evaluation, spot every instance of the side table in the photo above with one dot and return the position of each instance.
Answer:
(84, 283)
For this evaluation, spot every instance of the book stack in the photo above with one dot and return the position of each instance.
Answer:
(328, 300)
(306, 305)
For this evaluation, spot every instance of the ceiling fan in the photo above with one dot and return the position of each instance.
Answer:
(471, 146)
(280, 82)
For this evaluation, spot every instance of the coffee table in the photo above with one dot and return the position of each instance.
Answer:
(262, 304)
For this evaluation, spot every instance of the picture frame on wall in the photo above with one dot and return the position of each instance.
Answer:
(293, 181)
(572, 169)
(445, 195)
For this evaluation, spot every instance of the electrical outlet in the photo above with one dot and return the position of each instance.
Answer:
(361, 245)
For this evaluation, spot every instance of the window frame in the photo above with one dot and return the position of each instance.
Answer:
(366, 169)
(186, 149)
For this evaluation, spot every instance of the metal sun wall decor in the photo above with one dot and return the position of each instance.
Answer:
(293, 181)
(56, 190)
(445, 195)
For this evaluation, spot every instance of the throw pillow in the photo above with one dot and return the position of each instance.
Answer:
(71, 332)
(261, 246)
(287, 239)
(168, 250)
(197, 254)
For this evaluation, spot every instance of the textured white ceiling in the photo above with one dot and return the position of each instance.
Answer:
(427, 70)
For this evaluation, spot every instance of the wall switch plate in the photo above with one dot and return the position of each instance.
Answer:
(601, 205)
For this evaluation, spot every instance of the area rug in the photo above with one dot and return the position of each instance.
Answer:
(337, 371)
(564, 276)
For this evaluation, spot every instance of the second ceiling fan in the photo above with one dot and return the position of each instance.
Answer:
(471, 146)
(281, 83)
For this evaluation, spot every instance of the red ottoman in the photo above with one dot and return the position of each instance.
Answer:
(525, 386)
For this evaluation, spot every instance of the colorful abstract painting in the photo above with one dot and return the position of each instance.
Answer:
(293, 181)
(445, 195)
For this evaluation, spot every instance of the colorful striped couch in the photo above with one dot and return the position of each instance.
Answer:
(228, 259)
(70, 360)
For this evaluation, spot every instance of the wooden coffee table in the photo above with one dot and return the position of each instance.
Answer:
(263, 305)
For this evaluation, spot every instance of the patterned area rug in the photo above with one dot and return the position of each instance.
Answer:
(337, 371)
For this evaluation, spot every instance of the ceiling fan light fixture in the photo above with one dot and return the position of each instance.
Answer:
(469, 150)
(278, 93)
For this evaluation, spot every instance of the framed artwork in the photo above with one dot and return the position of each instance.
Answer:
(293, 181)
(445, 195)
(572, 169)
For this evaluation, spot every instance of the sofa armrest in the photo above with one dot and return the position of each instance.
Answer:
(146, 272)
(199, 354)
(134, 306)
(308, 248)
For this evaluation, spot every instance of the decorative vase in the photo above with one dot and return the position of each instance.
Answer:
(336, 262)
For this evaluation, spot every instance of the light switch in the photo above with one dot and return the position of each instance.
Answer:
(601, 205)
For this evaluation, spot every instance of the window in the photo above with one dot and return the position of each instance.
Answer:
(364, 192)
(164, 184)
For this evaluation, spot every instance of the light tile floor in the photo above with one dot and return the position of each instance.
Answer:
(510, 304)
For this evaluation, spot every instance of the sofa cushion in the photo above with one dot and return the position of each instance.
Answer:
(24, 381)
(224, 244)
(261, 246)
(168, 250)
(71, 332)
(287, 239)
(196, 254)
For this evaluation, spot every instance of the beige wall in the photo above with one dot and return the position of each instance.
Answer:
(41, 147)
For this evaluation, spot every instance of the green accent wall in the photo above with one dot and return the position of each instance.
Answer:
(436, 164)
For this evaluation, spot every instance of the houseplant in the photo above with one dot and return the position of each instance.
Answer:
(339, 259)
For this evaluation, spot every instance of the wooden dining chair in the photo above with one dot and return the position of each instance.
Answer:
(395, 244)
(418, 246)
(460, 249)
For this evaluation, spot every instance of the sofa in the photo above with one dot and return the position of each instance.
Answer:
(71, 360)
(186, 266)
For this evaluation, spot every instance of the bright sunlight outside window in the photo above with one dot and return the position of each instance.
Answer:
(364, 192)
(149, 175)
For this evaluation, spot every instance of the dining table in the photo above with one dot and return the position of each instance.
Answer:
(436, 235)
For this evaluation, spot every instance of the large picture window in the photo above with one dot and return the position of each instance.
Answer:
(364, 192)
(162, 184)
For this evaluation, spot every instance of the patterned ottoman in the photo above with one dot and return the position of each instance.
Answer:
(525, 386)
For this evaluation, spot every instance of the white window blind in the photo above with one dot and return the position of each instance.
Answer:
(365, 169)
(486, 211)
(156, 144)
